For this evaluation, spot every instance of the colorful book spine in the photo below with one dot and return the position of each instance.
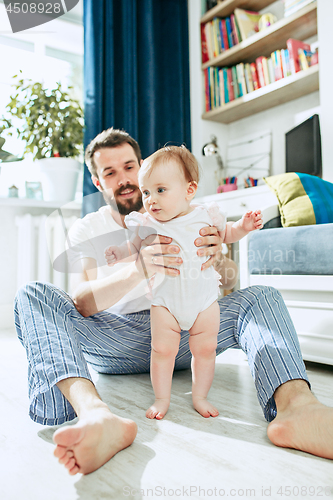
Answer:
(238, 30)
(265, 70)
(279, 61)
(204, 48)
(248, 78)
(229, 32)
(230, 85)
(302, 59)
(271, 70)
(225, 81)
(234, 30)
(260, 71)
(217, 36)
(225, 35)
(241, 78)
(221, 87)
(221, 35)
(235, 82)
(208, 41)
(254, 75)
(239, 81)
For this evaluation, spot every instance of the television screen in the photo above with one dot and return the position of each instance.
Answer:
(303, 148)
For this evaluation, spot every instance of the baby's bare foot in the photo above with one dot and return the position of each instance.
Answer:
(204, 407)
(158, 409)
(89, 444)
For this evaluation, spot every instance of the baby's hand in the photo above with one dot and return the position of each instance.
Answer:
(112, 255)
(252, 221)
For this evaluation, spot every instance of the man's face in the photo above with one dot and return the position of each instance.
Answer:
(117, 170)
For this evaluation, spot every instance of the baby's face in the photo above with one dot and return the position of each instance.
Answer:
(164, 191)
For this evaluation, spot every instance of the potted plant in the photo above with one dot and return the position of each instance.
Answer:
(51, 122)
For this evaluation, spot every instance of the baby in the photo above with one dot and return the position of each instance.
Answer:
(168, 180)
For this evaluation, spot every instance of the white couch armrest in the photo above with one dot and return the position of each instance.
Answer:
(269, 212)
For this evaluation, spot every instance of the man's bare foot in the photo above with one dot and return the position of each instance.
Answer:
(204, 407)
(97, 437)
(158, 409)
(304, 424)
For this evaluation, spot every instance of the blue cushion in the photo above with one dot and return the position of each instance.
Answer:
(292, 250)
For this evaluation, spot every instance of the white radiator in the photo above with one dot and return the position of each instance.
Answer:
(40, 240)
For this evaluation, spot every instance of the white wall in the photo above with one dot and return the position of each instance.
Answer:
(279, 119)
(325, 16)
(202, 129)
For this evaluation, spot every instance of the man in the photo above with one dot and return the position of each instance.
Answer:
(60, 334)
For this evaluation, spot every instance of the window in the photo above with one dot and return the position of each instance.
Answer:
(49, 53)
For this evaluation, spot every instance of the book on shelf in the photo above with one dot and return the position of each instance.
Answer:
(241, 77)
(226, 84)
(270, 70)
(260, 71)
(254, 76)
(247, 21)
(265, 70)
(293, 46)
(222, 99)
(248, 78)
(224, 34)
(204, 47)
(235, 82)
(217, 36)
(292, 6)
(307, 58)
(235, 31)
(230, 85)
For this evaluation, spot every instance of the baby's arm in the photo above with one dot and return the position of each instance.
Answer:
(235, 231)
(114, 253)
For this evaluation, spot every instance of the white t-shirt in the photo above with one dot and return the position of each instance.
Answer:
(89, 237)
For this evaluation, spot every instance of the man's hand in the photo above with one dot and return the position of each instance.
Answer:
(154, 257)
(210, 237)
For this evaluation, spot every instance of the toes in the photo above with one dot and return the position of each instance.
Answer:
(65, 458)
(70, 464)
(150, 413)
(159, 415)
(74, 470)
(60, 451)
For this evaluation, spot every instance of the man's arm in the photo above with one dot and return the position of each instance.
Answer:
(92, 295)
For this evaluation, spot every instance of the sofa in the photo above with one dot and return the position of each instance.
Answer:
(294, 253)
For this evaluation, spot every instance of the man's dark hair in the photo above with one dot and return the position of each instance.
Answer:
(110, 138)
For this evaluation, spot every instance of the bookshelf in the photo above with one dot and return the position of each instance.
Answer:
(301, 25)
(227, 7)
(284, 90)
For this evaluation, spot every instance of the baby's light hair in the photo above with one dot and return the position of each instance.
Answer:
(179, 154)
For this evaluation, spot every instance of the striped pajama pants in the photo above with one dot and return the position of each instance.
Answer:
(59, 342)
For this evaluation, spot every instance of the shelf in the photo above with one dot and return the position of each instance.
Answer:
(301, 25)
(226, 7)
(29, 203)
(276, 93)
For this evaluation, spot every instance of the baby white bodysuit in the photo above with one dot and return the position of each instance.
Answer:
(193, 291)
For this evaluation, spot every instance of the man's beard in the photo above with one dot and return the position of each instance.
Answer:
(127, 206)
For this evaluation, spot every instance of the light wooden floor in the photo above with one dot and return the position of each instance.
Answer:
(182, 456)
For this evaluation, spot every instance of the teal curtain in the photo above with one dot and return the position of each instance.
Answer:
(136, 74)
